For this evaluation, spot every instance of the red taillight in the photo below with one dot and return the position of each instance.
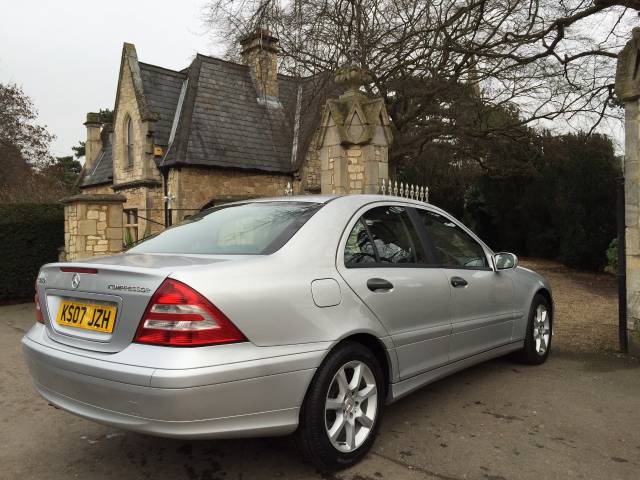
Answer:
(39, 317)
(178, 316)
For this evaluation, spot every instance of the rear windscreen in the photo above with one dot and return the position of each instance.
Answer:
(258, 228)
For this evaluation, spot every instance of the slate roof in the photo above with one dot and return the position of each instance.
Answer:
(102, 171)
(223, 123)
(217, 120)
(162, 90)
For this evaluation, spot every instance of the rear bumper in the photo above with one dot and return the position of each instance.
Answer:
(222, 401)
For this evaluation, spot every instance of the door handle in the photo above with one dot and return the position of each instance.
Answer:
(458, 282)
(376, 284)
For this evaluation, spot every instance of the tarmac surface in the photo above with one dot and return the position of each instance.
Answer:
(577, 416)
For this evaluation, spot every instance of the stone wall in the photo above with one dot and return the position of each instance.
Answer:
(92, 225)
(632, 210)
(193, 188)
(309, 175)
(97, 190)
(628, 92)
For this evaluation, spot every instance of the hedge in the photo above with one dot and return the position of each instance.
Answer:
(30, 236)
(564, 209)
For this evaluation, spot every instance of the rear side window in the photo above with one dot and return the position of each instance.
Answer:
(359, 248)
(257, 228)
(384, 235)
(453, 246)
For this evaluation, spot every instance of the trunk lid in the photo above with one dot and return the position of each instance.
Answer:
(126, 282)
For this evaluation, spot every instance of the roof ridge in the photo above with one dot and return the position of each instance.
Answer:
(242, 65)
(158, 67)
(222, 60)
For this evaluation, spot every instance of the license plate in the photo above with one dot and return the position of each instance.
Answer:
(99, 318)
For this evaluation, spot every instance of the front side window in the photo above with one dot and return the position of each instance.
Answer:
(257, 228)
(384, 236)
(453, 246)
(129, 141)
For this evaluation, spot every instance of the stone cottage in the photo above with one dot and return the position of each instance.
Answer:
(218, 131)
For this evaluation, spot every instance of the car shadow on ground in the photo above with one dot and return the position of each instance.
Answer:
(278, 457)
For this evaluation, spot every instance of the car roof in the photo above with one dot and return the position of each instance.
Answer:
(354, 199)
(293, 198)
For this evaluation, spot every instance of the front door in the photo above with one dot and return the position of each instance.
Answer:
(386, 265)
(482, 299)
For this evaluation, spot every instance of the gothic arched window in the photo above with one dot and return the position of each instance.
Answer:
(128, 140)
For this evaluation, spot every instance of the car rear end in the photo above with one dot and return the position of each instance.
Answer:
(122, 341)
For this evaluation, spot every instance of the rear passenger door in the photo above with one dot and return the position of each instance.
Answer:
(482, 299)
(384, 261)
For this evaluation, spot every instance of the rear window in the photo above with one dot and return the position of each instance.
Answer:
(258, 228)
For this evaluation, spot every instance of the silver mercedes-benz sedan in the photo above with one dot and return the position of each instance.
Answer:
(265, 317)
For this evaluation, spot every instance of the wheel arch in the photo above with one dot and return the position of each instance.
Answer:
(375, 346)
(547, 295)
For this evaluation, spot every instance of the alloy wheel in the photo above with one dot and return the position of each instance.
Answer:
(541, 329)
(351, 406)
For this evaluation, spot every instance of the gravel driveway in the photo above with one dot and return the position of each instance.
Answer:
(586, 307)
(577, 416)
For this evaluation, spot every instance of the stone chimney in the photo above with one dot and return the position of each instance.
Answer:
(94, 142)
(260, 52)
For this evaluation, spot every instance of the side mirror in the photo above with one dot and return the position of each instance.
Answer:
(505, 261)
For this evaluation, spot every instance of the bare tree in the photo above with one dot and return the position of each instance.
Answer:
(454, 72)
(26, 164)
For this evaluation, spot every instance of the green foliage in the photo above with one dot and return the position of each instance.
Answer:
(30, 235)
(128, 238)
(79, 150)
(563, 208)
(70, 169)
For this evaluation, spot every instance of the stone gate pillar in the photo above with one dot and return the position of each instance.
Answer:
(628, 92)
(354, 138)
(92, 225)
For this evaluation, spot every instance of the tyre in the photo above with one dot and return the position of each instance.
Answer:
(537, 342)
(342, 410)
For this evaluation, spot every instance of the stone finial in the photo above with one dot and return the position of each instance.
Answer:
(353, 75)
(628, 69)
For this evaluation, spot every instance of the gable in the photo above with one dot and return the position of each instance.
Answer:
(130, 84)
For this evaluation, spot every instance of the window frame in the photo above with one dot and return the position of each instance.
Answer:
(357, 217)
(488, 253)
(129, 144)
(133, 228)
(423, 236)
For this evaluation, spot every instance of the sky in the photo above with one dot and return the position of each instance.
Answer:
(65, 54)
